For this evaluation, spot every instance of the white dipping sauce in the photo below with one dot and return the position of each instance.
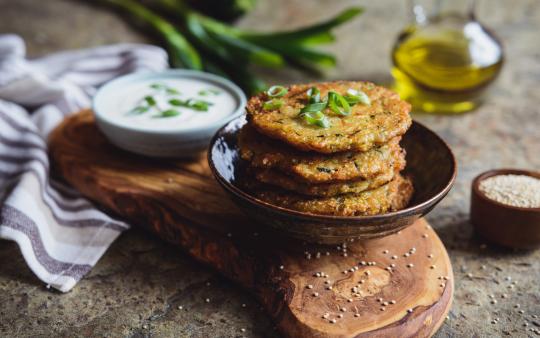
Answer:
(121, 104)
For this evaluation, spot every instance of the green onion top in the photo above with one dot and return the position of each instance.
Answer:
(276, 91)
(354, 96)
(273, 104)
(316, 118)
(338, 104)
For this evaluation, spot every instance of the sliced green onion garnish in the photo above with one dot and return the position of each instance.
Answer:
(273, 104)
(316, 118)
(314, 95)
(170, 113)
(338, 104)
(314, 107)
(354, 96)
(276, 91)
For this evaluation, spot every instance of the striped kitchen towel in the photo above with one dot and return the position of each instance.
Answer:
(61, 235)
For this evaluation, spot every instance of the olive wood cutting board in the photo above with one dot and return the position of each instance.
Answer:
(397, 286)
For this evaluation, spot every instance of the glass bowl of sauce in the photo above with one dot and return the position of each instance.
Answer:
(173, 113)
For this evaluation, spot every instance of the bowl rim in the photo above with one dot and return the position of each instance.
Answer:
(233, 89)
(503, 171)
(410, 210)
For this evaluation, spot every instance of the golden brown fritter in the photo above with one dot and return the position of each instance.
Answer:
(367, 125)
(392, 196)
(264, 152)
(278, 179)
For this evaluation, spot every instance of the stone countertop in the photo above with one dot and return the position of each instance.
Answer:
(137, 287)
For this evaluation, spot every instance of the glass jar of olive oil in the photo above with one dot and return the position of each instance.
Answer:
(445, 60)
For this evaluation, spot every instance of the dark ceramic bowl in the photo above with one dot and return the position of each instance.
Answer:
(430, 164)
(502, 224)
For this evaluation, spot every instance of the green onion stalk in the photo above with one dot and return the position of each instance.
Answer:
(198, 41)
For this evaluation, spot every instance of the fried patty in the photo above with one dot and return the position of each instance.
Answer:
(278, 179)
(365, 127)
(392, 196)
(264, 152)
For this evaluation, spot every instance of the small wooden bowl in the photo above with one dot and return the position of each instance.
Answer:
(430, 164)
(504, 224)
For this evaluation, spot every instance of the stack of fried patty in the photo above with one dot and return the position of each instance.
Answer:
(342, 160)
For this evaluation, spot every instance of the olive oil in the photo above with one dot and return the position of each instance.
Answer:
(445, 66)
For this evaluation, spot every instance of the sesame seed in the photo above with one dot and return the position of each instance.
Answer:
(309, 286)
(327, 253)
(327, 282)
(207, 300)
(493, 321)
(470, 275)
(493, 301)
(432, 267)
(410, 310)
(340, 315)
(392, 302)
(385, 252)
(394, 257)
(349, 300)
(508, 278)
(441, 285)
(406, 254)
(362, 263)
(425, 236)
(388, 268)
(344, 254)
(430, 256)
(357, 315)
(483, 267)
(383, 308)
(361, 281)
(326, 315)
(328, 288)
(392, 265)
(315, 294)
(180, 307)
(379, 300)
(517, 306)
(333, 321)
(145, 326)
(281, 267)
(243, 330)
(386, 303)
(367, 273)
(504, 295)
(410, 265)
(243, 305)
(521, 311)
(343, 309)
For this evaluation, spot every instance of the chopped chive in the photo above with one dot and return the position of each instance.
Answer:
(157, 86)
(276, 91)
(169, 113)
(176, 102)
(150, 100)
(172, 91)
(138, 110)
(206, 92)
(273, 104)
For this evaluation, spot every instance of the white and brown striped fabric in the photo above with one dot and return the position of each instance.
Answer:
(61, 235)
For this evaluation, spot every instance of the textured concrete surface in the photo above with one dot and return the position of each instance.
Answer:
(137, 287)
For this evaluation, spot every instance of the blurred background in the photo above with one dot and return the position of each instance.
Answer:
(140, 300)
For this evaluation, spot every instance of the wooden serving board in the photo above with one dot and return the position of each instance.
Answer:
(181, 202)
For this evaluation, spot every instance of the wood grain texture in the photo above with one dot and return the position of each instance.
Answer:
(182, 203)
